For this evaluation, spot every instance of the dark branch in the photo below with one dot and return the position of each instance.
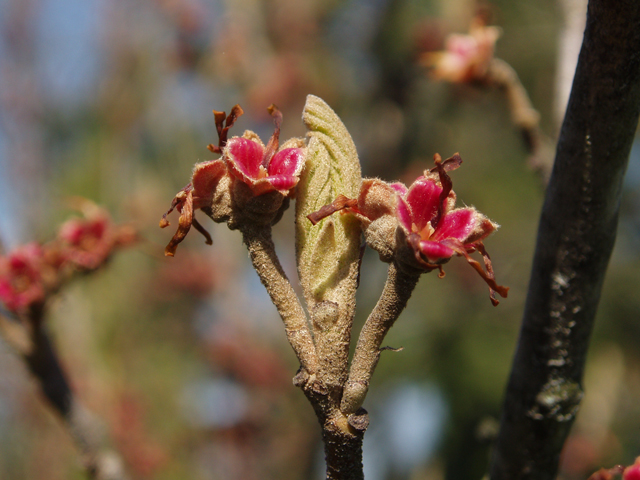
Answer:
(575, 238)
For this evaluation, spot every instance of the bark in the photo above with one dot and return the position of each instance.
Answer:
(575, 238)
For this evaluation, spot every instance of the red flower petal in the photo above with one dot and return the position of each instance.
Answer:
(286, 162)
(423, 199)
(435, 251)
(245, 157)
(457, 224)
(400, 188)
(404, 214)
(283, 183)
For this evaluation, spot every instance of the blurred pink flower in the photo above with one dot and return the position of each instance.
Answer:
(466, 58)
(21, 281)
(87, 243)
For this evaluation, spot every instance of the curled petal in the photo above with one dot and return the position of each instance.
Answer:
(244, 158)
(484, 227)
(288, 161)
(458, 224)
(184, 224)
(423, 199)
(435, 252)
(206, 176)
(282, 183)
(487, 275)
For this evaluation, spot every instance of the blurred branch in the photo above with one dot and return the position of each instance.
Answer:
(523, 115)
(575, 239)
(32, 342)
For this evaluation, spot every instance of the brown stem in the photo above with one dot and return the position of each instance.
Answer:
(575, 238)
(35, 347)
(392, 302)
(321, 373)
(265, 262)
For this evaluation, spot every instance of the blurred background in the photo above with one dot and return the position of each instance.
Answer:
(185, 359)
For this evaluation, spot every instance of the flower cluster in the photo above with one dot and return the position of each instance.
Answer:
(87, 243)
(31, 272)
(466, 58)
(419, 227)
(250, 183)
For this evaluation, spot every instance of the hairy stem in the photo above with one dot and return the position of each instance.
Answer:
(265, 261)
(35, 347)
(396, 293)
(575, 239)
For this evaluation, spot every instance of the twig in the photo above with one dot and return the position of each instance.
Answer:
(575, 238)
(32, 342)
(265, 261)
(393, 300)
(320, 371)
(523, 115)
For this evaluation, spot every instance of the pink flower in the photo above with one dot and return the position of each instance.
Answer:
(88, 242)
(436, 230)
(209, 186)
(432, 229)
(21, 280)
(466, 58)
(225, 188)
(264, 168)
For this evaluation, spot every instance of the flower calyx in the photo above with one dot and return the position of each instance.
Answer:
(419, 227)
(249, 185)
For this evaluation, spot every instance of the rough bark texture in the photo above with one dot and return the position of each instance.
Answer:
(575, 238)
